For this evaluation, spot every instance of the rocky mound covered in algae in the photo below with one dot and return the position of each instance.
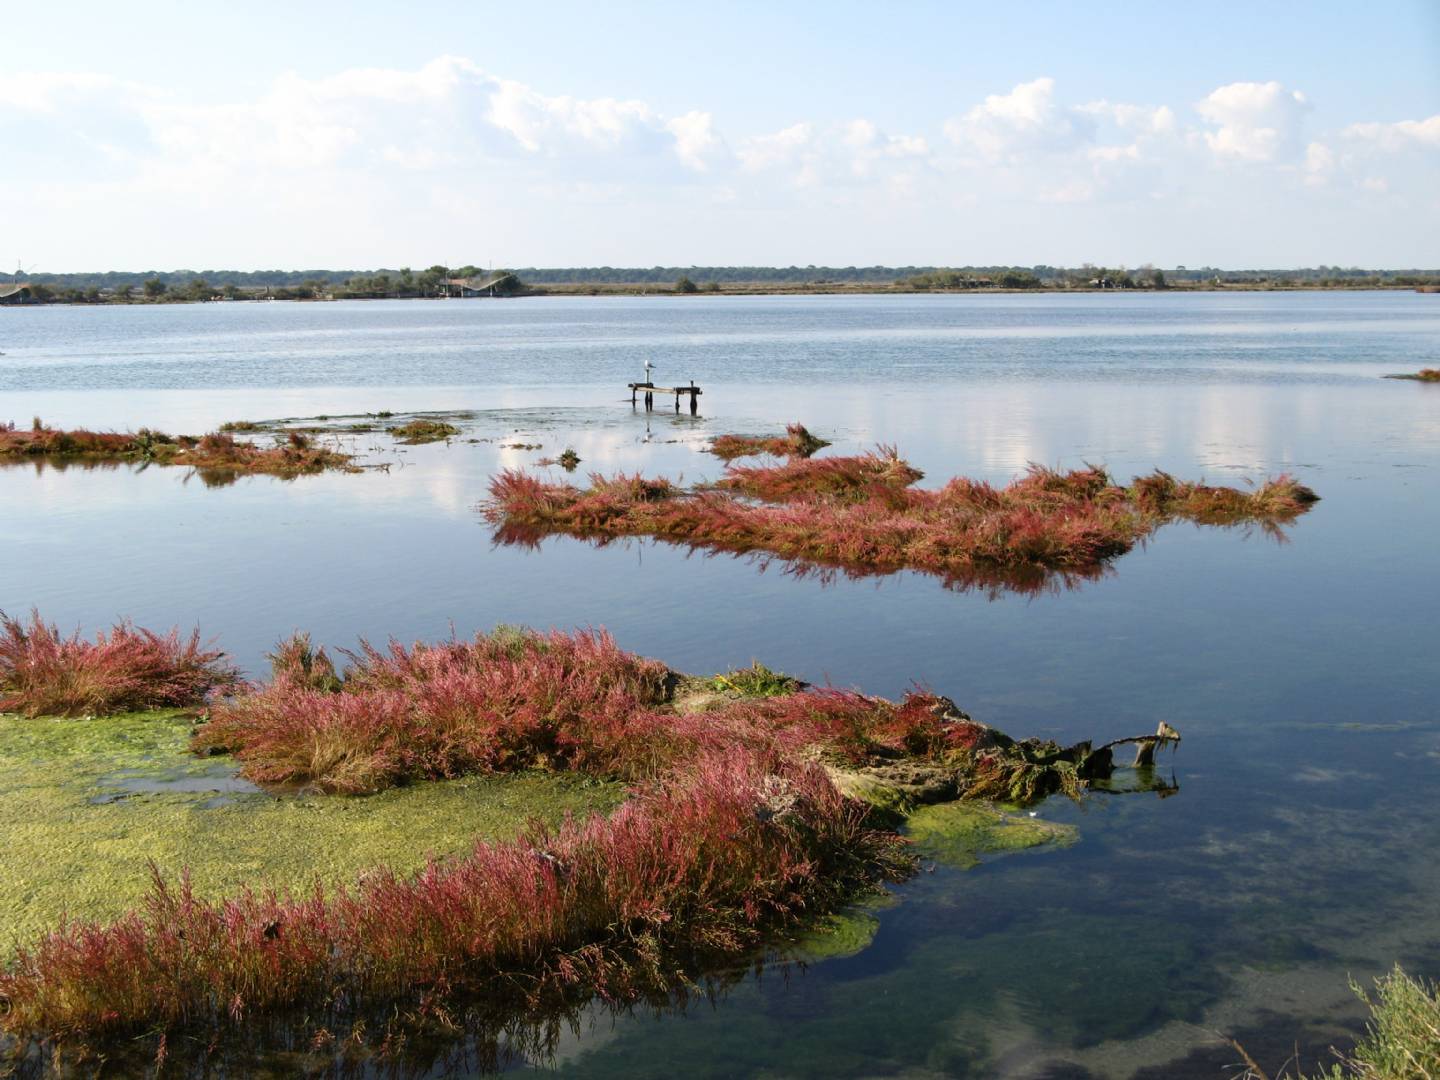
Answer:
(862, 515)
(755, 804)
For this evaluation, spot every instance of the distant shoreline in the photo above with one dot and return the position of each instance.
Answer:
(732, 289)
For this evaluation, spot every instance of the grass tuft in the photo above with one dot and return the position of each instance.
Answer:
(423, 431)
(796, 442)
(1402, 1040)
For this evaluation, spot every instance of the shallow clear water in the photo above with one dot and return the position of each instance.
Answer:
(1302, 844)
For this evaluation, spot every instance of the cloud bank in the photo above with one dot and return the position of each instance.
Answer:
(328, 168)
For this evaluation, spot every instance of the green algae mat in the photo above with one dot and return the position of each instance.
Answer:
(87, 805)
(958, 833)
(954, 834)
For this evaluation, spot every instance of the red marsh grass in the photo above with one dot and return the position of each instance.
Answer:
(45, 673)
(843, 479)
(725, 848)
(796, 442)
(861, 515)
(217, 452)
(734, 828)
(515, 700)
(500, 702)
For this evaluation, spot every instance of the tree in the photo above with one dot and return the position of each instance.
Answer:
(199, 289)
(685, 285)
(154, 288)
(431, 279)
(122, 293)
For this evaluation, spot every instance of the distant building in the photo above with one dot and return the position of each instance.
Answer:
(475, 286)
(18, 292)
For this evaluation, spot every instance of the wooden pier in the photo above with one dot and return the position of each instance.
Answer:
(650, 390)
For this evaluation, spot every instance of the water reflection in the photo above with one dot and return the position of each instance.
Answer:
(988, 581)
(1304, 849)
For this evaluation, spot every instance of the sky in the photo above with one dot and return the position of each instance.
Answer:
(266, 135)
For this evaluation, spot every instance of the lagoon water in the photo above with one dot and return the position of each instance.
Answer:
(1303, 845)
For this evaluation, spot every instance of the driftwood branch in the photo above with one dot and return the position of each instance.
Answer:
(1145, 745)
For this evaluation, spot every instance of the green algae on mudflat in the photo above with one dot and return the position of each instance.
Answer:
(86, 805)
(954, 833)
(839, 934)
(958, 833)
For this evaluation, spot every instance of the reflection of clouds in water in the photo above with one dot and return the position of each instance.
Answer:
(1315, 774)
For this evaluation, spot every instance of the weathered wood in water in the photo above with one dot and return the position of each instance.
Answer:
(1145, 745)
(650, 390)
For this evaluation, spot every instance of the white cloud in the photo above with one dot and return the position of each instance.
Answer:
(366, 155)
(784, 147)
(1009, 127)
(696, 142)
(1319, 164)
(564, 124)
(48, 91)
(1403, 135)
(1144, 119)
(1255, 122)
(839, 154)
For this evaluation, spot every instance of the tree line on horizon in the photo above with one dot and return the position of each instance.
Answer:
(171, 285)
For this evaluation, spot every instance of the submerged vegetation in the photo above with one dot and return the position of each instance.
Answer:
(743, 817)
(861, 515)
(796, 442)
(295, 452)
(45, 673)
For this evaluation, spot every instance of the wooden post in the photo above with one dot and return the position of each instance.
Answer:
(632, 395)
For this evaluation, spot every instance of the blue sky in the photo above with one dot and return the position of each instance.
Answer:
(1236, 134)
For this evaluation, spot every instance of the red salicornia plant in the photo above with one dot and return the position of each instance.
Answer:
(728, 846)
(499, 702)
(45, 673)
(861, 515)
(735, 826)
(517, 700)
(293, 455)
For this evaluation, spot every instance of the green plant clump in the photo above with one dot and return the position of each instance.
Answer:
(757, 680)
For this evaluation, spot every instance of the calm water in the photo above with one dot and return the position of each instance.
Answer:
(1302, 846)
